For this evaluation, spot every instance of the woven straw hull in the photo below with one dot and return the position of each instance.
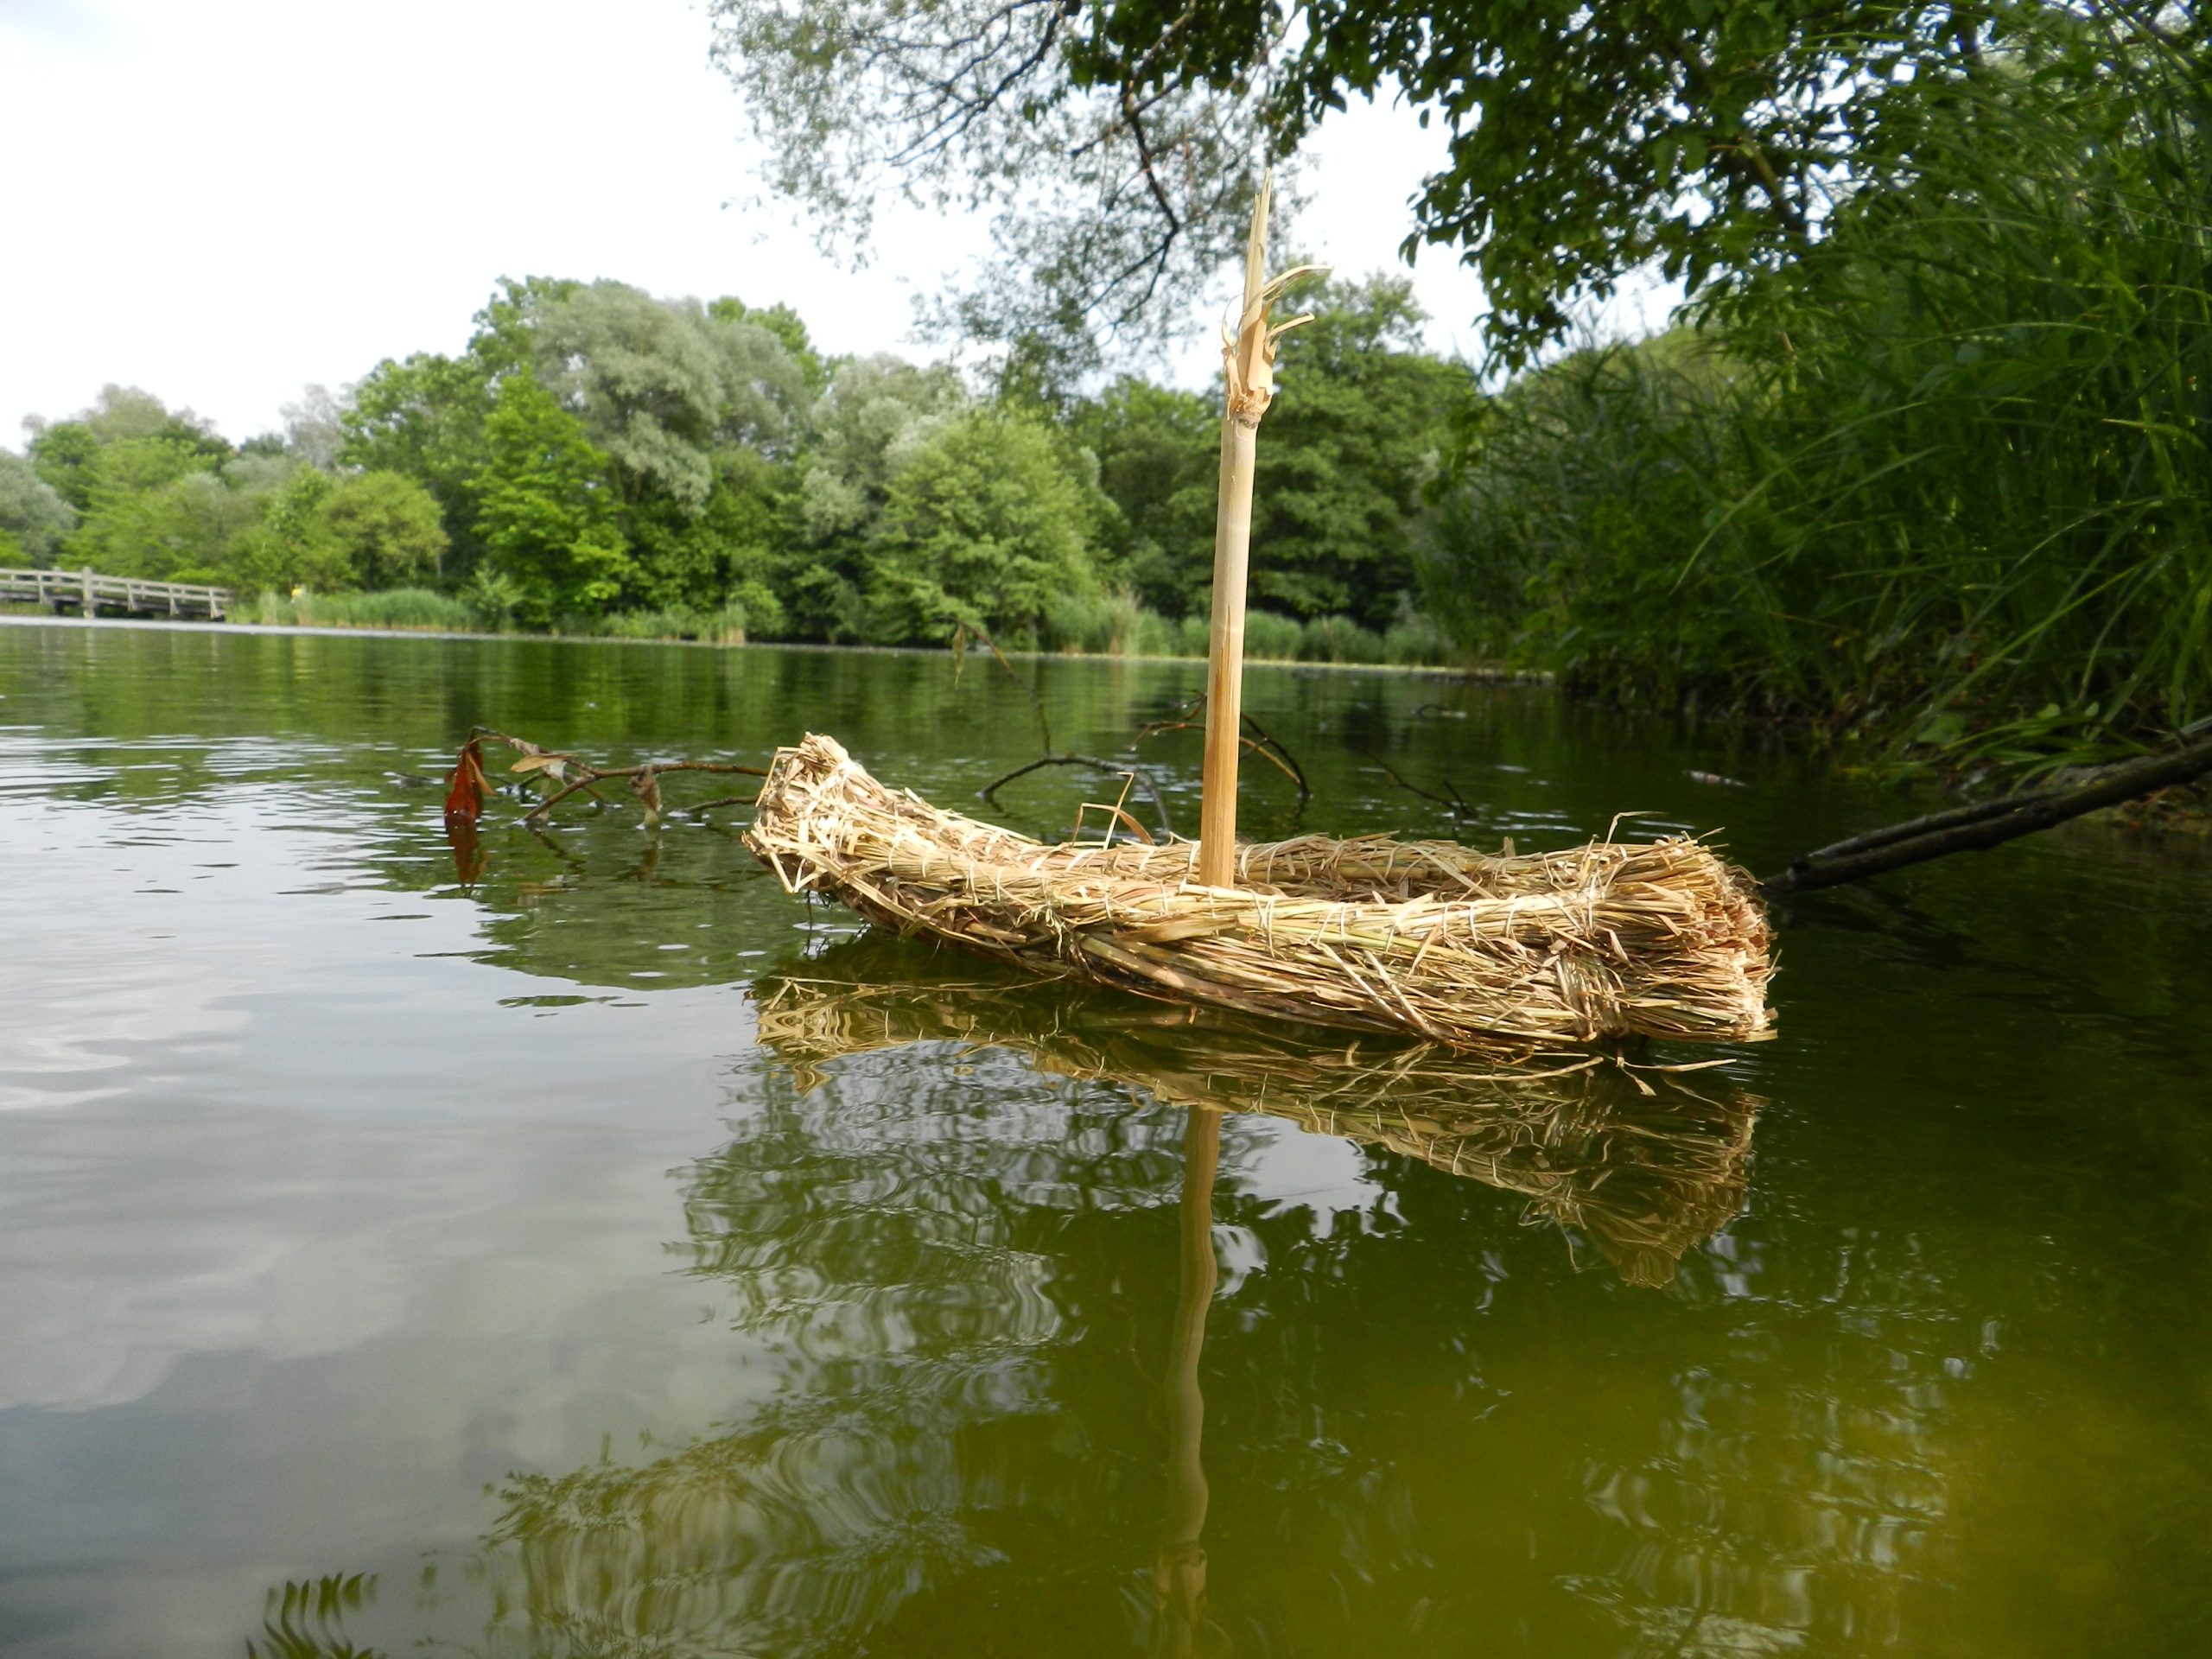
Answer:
(1593, 944)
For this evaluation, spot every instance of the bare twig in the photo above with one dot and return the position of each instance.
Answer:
(1117, 769)
(641, 778)
(1256, 739)
(1989, 824)
(1456, 802)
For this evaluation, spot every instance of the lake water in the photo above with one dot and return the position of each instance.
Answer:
(573, 1245)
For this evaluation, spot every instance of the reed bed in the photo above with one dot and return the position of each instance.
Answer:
(1508, 954)
(1638, 1161)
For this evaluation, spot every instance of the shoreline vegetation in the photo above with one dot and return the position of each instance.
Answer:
(1117, 629)
(409, 618)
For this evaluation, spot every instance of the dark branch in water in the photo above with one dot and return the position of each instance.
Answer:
(1260, 741)
(1456, 802)
(1989, 824)
(1113, 769)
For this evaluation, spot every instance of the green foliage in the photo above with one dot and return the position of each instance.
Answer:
(548, 510)
(491, 599)
(1416, 641)
(1158, 463)
(974, 101)
(288, 549)
(1708, 136)
(789, 328)
(425, 418)
(385, 525)
(1346, 452)
(660, 385)
(731, 545)
(1269, 636)
(983, 522)
(394, 607)
(1112, 625)
(1943, 480)
(34, 516)
(1340, 639)
(157, 506)
(65, 457)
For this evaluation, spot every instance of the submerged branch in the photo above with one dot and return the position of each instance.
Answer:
(1255, 740)
(578, 776)
(1456, 803)
(1989, 824)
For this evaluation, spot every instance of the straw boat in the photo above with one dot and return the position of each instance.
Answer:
(1643, 1163)
(1596, 943)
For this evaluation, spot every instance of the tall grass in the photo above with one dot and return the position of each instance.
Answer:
(1117, 626)
(393, 607)
(1120, 626)
(481, 609)
(1943, 483)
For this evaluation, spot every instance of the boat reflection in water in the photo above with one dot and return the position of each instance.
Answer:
(1645, 1162)
(1636, 1159)
(939, 1242)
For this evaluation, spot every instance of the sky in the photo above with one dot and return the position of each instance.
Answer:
(224, 202)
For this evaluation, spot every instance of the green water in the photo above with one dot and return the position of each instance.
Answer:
(446, 1268)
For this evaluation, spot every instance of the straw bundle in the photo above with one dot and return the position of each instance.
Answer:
(1640, 1164)
(1598, 942)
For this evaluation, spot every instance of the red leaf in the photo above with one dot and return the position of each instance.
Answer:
(466, 790)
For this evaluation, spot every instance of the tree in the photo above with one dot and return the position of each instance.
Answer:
(143, 515)
(314, 428)
(1121, 137)
(1157, 452)
(659, 384)
(194, 528)
(787, 327)
(727, 551)
(985, 522)
(550, 511)
(876, 411)
(1127, 194)
(423, 418)
(1353, 444)
(384, 526)
(67, 453)
(34, 517)
(288, 548)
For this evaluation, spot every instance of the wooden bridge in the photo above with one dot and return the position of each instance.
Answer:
(90, 593)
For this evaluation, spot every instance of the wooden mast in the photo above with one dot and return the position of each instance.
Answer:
(1249, 355)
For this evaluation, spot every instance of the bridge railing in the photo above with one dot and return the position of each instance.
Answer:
(90, 592)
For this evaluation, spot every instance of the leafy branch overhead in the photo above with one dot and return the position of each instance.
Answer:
(1121, 140)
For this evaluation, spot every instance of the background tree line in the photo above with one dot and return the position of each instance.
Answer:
(598, 459)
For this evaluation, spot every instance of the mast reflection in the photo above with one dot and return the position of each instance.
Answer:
(1180, 1575)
